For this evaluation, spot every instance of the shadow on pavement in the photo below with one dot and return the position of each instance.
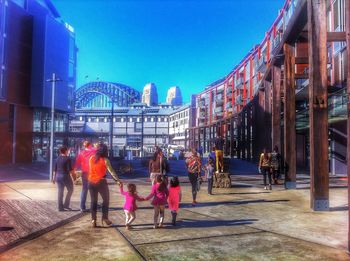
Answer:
(212, 223)
(243, 193)
(230, 203)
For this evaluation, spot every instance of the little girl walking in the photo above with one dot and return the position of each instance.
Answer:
(130, 203)
(174, 197)
(159, 193)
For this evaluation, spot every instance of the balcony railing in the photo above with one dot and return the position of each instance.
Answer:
(228, 105)
(218, 110)
(276, 41)
(262, 64)
(240, 83)
(239, 100)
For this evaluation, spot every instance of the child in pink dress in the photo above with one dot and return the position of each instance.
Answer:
(160, 194)
(130, 203)
(174, 198)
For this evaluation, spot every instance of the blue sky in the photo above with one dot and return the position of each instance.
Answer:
(168, 42)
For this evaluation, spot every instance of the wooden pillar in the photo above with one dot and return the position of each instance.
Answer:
(243, 134)
(347, 30)
(276, 107)
(319, 172)
(289, 117)
(249, 133)
(227, 144)
(239, 137)
(231, 137)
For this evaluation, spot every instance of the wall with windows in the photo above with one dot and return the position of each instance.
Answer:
(179, 121)
(54, 51)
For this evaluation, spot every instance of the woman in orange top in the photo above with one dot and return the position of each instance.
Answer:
(98, 166)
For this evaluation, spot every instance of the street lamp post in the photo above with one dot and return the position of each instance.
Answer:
(141, 151)
(111, 126)
(53, 80)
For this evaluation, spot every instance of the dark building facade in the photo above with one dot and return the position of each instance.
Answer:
(34, 43)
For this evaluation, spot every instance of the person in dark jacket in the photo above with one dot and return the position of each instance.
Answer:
(63, 170)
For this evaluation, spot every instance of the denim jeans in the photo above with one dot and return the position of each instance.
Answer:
(101, 188)
(210, 185)
(84, 191)
(266, 172)
(63, 182)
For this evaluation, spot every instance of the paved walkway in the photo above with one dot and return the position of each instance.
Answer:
(244, 222)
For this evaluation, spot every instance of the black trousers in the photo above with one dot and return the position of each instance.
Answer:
(99, 188)
(193, 180)
(64, 182)
(266, 172)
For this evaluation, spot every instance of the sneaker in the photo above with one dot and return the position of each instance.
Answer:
(270, 187)
(68, 208)
(155, 227)
(265, 188)
(84, 210)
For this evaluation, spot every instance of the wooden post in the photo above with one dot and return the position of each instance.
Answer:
(243, 142)
(239, 137)
(276, 107)
(289, 117)
(347, 31)
(319, 172)
(249, 134)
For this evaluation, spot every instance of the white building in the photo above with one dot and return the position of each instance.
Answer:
(150, 94)
(179, 121)
(135, 127)
(174, 96)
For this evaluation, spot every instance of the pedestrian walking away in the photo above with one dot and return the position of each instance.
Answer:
(193, 164)
(154, 167)
(98, 166)
(62, 175)
(209, 172)
(275, 165)
(82, 163)
(219, 147)
(265, 167)
(174, 198)
(159, 193)
(130, 206)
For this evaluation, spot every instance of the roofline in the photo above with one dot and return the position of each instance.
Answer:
(52, 8)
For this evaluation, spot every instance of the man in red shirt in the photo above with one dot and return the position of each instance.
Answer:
(82, 162)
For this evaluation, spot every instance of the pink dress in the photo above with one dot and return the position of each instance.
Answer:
(174, 198)
(159, 197)
(130, 200)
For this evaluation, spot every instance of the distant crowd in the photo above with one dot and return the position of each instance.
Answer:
(93, 164)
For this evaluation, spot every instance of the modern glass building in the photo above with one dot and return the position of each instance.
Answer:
(34, 44)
